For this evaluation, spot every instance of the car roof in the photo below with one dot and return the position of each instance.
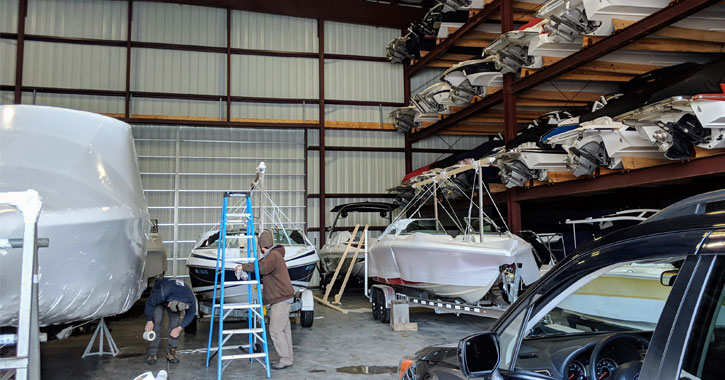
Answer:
(669, 229)
(698, 204)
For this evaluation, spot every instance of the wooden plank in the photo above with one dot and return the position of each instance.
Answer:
(472, 43)
(372, 125)
(340, 262)
(442, 64)
(549, 103)
(457, 57)
(701, 152)
(634, 163)
(612, 67)
(662, 44)
(360, 242)
(600, 171)
(556, 177)
(475, 35)
(497, 187)
(677, 32)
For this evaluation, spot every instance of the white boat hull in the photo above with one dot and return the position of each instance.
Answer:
(94, 213)
(446, 266)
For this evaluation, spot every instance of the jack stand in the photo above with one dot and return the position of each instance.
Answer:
(103, 328)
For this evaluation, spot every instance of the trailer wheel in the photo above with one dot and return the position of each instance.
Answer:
(384, 311)
(307, 317)
(376, 301)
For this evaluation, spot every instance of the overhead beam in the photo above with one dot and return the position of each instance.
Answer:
(350, 11)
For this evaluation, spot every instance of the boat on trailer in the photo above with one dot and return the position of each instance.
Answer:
(300, 254)
(456, 263)
(94, 214)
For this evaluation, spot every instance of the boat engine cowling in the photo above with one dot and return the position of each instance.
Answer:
(515, 174)
(686, 133)
(570, 24)
(587, 158)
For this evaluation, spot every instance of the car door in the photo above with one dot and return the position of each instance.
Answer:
(511, 336)
(694, 347)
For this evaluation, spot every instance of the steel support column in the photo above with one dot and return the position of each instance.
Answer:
(127, 94)
(510, 125)
(321, 75)
(20, 50)
(229, 65)
(406, 100)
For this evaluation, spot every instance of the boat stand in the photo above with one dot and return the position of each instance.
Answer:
(361, 240)
(102, 328)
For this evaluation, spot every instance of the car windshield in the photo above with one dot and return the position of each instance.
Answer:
(628, 297)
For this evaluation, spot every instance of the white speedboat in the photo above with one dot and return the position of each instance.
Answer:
(451, 255)
(94, 212)
(301, 259)
(601, 142)
(678, 124)
(460, 267)
(300, 255)
(438, 97)
(472, 76)
(337, 241)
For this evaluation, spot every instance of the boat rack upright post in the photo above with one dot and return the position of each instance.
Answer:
(27, 351)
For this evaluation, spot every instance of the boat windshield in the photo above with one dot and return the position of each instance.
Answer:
(287, 236)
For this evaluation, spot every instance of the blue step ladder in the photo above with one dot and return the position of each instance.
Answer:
(256, 331)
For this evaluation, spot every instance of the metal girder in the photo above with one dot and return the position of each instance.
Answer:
(657, 174)
(350, 11)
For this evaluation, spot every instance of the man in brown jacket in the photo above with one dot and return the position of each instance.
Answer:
(277, 292)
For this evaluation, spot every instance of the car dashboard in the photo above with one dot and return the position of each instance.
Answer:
(568, 357)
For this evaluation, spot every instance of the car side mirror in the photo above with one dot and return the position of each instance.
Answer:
(478, 355)
(667, 278)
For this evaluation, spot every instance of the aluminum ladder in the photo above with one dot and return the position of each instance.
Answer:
(26, 362)
(256, 330)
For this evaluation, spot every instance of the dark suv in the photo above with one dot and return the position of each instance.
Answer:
(647, 302)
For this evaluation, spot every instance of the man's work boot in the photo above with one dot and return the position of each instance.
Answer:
(151, 359)
(171, 356)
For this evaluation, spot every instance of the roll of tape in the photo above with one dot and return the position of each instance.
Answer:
(149, 335)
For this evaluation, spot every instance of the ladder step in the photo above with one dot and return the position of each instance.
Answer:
(238, 306)
(243, 331)
(237, 215)
(240, 282)
(244, 356)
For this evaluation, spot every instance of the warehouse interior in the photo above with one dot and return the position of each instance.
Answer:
(434, 165)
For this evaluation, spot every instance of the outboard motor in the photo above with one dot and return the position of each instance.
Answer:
(515, 174)
(586, 159)
(570, 24)
(686, 133)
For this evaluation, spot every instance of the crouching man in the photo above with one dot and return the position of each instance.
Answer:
(174, 297)
(277, 291)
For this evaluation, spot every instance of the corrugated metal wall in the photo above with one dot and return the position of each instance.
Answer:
(335, 112)
(7, 62)
(185, 171)
(74, 66)
(278, 77)
(77, 18)
(358, 80)
(306, 112)
(273, 32)
(104, 104)
(9, 16)
(176, 71)
(179, 24)
(353, 39)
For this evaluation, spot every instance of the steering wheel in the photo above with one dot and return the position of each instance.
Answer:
(625, 371)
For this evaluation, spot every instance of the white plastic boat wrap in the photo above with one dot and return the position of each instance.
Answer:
(94, 212)
(448, 266)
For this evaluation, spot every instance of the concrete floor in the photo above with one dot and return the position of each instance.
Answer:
(334, 342)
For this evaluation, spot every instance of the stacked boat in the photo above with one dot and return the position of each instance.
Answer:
(557, 31)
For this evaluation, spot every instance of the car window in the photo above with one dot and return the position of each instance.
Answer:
(624, 297)
(508, 339)
(705, 352)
